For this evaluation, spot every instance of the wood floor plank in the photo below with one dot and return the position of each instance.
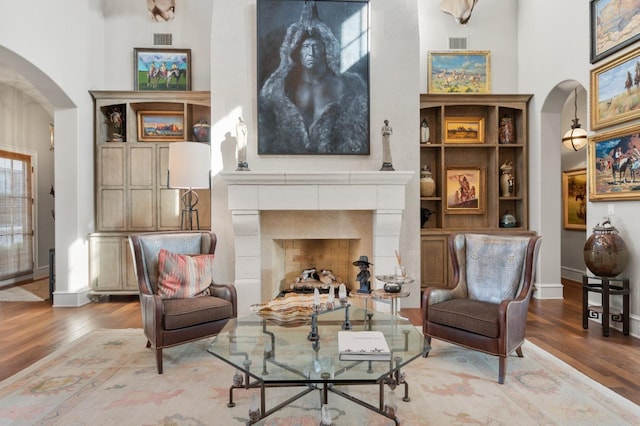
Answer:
(31, 330)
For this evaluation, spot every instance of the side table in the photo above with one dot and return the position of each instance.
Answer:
(606, 287)
(380, 294)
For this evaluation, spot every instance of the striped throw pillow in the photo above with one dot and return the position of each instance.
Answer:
(183, 276)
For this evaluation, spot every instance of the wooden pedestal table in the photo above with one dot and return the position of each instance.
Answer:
(606, 287)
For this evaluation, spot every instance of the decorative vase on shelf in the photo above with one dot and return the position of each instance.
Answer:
(201, 131)
(505, 134)
(507, 180)
(424, 131)
(605, 252)
(427, 184)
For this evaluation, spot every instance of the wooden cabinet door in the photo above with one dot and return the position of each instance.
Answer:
(111, 187)
(435, 261)
(141, 212)
(105, 263)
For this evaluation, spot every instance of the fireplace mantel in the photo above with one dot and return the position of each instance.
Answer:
(382, 192)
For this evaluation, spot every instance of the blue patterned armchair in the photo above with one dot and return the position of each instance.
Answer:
(486, 309)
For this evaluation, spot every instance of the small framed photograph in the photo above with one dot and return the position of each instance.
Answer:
(613, 27)
(467, 71)
(464, 130)
(614, 165)
(614, 96)
(465, 189)
(161, 126)
(574, 199)
(162, 69)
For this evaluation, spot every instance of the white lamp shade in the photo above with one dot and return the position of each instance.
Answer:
(189, 165)
(575, 138)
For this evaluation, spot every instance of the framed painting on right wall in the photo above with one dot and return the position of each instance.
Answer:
(613, 26)
(615, 98)
(614, 165)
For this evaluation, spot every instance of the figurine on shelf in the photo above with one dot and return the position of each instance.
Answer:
(364, 274)
(116, 120)
(507, 180)
(386, 131)
(505, 134)
(424, 131)
(241, 137)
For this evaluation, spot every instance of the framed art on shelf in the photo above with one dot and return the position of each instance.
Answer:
(574, 199)
(161, 126)
(313, 77)
(162, 69)
(465, 189)
(613, 97)
(614, 165)
(464, 130)
(467, 71)
(613, 26)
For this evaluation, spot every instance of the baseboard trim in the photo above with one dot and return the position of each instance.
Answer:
(548, 291)
(572, 274)
(71, 300)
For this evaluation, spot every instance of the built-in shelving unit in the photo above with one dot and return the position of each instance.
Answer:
(452, 152)
(131, 193)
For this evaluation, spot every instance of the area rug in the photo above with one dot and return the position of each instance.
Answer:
(108, 377)
(36, 291)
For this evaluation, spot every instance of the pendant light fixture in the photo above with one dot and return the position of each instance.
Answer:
(576, 137)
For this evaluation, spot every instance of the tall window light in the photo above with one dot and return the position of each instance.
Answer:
(16, 236)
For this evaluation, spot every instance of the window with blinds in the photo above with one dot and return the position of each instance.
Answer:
(16, 236)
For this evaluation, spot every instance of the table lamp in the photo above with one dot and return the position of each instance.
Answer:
(189, 168)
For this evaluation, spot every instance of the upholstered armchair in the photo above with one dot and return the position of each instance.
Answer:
(486, 309)
(171, 317)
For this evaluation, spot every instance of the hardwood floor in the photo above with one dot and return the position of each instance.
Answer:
(31, 330)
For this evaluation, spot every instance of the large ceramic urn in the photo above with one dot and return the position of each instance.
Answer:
(605, 252)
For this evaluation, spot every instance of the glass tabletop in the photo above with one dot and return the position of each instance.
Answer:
(273, 352)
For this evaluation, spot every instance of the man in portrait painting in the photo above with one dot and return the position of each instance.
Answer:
(307, 105)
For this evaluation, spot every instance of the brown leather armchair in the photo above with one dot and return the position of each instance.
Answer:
(486, 310)
(171, 322)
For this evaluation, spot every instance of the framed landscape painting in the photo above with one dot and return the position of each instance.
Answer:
(614, 165)
(574, 200)
(465, 189)
(464, 130)
(613, 26)
(162, 69)
(161, 126)
(466, 71)
(615, 97)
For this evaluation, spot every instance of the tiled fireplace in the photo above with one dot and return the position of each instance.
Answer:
(360, 211)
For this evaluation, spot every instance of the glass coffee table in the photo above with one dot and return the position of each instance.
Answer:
(268, 353)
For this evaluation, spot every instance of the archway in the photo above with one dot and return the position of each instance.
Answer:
(552, 127)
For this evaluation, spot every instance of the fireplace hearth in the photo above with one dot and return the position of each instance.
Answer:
(362, 209)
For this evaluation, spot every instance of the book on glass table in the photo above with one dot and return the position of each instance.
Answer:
(363, 346)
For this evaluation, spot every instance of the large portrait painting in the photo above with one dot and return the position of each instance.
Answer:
(614, 165)
(614, 26)
(313, 77)
(574, 200)
(615, 94)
